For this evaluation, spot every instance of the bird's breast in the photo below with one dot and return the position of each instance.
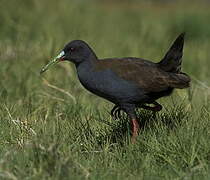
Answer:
(108, 85)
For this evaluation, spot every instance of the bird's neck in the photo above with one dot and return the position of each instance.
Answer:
(88, 62)
(92, 59)
(85, 69)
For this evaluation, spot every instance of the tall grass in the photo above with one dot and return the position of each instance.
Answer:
(45, 134)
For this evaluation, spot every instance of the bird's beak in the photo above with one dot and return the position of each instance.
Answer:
(57, 59)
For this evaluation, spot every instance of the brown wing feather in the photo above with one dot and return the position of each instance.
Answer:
(147, 75)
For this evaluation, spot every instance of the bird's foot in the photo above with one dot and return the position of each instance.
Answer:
(116, 112)
(155, 108)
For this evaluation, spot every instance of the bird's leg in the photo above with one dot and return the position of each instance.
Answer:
(135, 129)
(130, 110)
(155, 108)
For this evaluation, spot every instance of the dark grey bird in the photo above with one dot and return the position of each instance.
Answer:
(129, 82)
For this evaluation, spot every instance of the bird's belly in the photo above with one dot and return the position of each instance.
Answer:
(108, 85)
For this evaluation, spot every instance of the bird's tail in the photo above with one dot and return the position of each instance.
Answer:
(179, 80)
(173, 59)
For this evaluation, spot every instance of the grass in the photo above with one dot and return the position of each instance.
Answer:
(45, 133)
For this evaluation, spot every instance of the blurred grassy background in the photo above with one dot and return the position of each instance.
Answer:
(47, 134)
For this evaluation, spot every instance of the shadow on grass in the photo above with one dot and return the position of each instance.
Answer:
(171, 117)
(120, 130)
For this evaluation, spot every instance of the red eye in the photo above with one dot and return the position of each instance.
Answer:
(72, 49)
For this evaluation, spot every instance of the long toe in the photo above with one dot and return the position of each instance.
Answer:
(155, 108)
(113, 111)
(118, 113)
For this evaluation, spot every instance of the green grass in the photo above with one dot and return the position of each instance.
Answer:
(47, 134)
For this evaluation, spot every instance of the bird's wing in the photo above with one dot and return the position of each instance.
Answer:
(145, 74)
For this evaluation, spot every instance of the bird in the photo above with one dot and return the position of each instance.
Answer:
(129, 83)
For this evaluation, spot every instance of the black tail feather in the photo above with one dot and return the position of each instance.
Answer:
(173, 59)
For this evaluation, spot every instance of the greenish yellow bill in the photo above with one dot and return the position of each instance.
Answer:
(54, 61)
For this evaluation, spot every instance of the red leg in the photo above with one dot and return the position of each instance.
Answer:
(135, 130)
(130, 110)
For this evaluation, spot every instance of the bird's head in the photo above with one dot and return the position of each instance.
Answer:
(75, 51)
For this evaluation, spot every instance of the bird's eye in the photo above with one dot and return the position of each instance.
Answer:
(72, 49)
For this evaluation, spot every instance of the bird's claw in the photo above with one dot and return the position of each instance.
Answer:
(116, 112)
(155, 108)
